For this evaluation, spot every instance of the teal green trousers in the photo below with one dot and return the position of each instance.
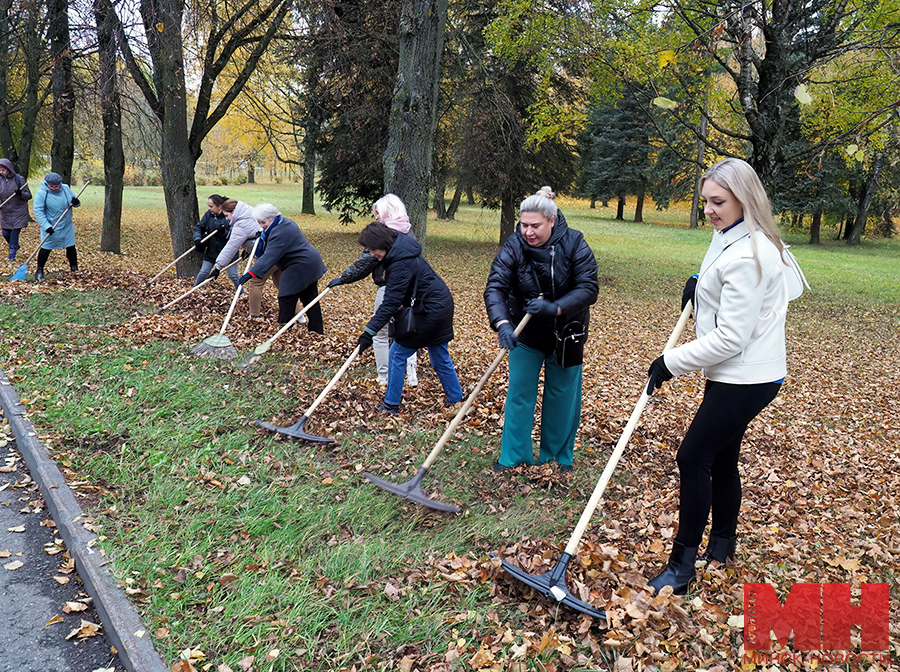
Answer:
(560, 408)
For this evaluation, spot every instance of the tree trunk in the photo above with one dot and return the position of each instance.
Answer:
(620, 209)
(176, 162)
(309, 182)
(407, 159)
(865, 202)
(113, 154)
(507, 218)
(698, 169)
(639, 208)
(251, 172)
(593, 202)
(62, 151)
(440, 209)
(470, 196)
(454, 204)
(815, 227)
(604, 203)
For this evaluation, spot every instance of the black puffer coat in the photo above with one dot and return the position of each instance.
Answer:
(286, 247)
(207, 224)
(433, 309)
(563, 269)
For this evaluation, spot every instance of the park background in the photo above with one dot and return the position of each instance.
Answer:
(243, 550)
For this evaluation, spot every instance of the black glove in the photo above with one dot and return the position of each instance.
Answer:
(19, 192)
(49, 230)
(245, 254)
(198, 246)
(364, 341)
(659, 373)
(75, 202)
(507, 336)
(214, 273)
(690, 289)
(542, 308)
(335, 282)
(244, 278)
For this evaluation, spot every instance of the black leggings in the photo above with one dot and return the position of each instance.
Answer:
(71, 255)
(287, 308)
(708, 458)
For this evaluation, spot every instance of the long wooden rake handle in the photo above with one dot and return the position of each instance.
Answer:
(451, 428)
(8, 199)
(166, 268)
(237, 290)
(193, 289)
(572, 546)
(324, 393)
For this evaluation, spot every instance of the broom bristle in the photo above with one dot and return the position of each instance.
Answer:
(215, 346)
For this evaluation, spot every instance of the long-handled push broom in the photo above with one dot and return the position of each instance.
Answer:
(177, 259)
(219, 345)
(23, 269)
(263, 348)
(412, 489)
(553, 583)
(296, 430)
(192, 290)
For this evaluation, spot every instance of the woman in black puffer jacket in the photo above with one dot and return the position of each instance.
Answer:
(410, 282)
(546, 269)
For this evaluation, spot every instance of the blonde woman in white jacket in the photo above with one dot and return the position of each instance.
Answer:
(740, 299)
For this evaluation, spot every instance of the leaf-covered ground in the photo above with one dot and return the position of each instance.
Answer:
(820, 465)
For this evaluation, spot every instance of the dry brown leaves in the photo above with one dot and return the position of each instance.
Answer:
(819, 465)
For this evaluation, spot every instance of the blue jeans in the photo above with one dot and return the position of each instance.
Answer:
(440, 362)
(206, 269)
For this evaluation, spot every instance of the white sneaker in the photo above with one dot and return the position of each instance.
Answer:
(381, 381)
(303, 319)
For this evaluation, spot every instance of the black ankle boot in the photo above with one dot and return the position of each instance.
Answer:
(719, 549)
(73, 268)
(679, 572)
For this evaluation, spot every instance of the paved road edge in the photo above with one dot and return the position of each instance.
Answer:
(121, 622)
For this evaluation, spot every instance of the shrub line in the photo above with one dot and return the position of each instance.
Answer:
(121, 622)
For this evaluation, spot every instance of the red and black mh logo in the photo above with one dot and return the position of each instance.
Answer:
(821, 616)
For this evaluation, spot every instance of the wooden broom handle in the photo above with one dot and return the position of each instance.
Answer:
(191, 249)
(195, 288)
(309, 411)
(451, 428)
(572, 546)
(237, 290)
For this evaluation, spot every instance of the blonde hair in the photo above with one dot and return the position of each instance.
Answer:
(741, 180)
(389, 208)
(541, 202)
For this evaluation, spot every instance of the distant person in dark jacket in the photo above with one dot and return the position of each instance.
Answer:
(390, 211)
(13, 212)
(300, 265)
(410, 281)
(213, 219)
(548, 270)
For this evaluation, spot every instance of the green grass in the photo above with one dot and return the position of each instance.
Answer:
(170, 437)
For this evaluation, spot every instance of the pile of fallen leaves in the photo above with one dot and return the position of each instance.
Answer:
(819, 465)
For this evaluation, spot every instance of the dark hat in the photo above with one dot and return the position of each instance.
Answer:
(53, 178)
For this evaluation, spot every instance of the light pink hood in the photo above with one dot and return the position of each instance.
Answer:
(400, 224)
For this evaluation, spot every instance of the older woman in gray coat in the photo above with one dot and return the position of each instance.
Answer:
(14, 195)
(282, 244)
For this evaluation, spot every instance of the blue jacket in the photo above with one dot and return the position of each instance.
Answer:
(49, 206)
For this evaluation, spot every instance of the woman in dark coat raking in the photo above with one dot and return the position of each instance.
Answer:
(213, 219)
(546, 269)
(14, 212)
(410, 281)
(282, 244)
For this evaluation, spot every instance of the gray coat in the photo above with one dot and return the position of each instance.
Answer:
(14, 214)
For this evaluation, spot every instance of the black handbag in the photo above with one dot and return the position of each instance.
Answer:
(570, 344)
(402, 326)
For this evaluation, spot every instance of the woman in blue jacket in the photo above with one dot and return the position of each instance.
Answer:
(53, 211)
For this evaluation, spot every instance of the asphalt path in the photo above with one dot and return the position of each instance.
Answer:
(34, 621)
